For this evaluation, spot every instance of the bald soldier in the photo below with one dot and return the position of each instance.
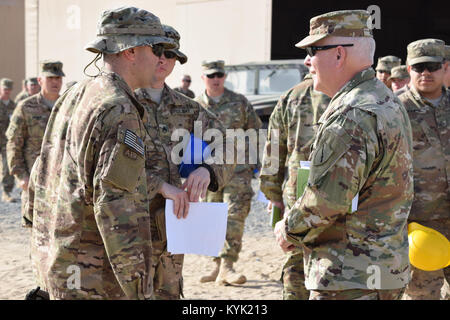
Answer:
(428, 106)
(235, 113)
(170, 111)
(362, 149)
(91, 224)
(27, 126)
(295, 117)
(7, 107)
(384, 67)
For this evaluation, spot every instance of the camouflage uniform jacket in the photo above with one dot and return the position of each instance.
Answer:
(363, 146)
(89, 193)
(235, 112)
(431, 155)
(25, 132)
(5, 115)
(295, 117)
(189, 93)
(21, 96)
(176, 111)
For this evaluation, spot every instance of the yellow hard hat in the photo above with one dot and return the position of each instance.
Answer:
(429, 250)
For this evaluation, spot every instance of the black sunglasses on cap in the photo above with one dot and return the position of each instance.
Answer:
(311, 50)
(430, 66)
(217, 74)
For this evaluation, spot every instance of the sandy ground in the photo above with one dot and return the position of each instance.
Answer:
(260, 260)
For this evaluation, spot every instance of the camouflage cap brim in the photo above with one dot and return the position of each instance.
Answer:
(52, 74)
(213, 70)
(180, 56)
(116, 43)
(309, 40)
(424, 59)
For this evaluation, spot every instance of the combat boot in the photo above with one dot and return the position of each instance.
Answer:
(227, 275)
(213, 275)
(6, 197)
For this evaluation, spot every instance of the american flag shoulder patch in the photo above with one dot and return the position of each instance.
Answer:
(134, 142)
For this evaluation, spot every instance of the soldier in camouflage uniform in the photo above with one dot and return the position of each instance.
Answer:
(384, 67)
(184, 88)
(447, 74)
(363, 147)
(170, 111)
(399, 79)
(91, 226)
(23, 93)
(428, 106)
(295, 117)
(6, 109)
(27, 126)
(235, 112)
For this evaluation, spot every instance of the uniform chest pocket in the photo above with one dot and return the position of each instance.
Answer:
(126, 162)
(334, 143)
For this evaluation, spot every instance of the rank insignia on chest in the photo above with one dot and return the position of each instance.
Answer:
(134, 142)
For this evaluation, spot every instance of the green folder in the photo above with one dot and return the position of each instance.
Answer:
(276, 215)
(302, 181)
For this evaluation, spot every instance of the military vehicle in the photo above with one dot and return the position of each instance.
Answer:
(264, 82)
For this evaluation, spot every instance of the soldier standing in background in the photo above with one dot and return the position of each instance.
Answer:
(23, 93)
(399, 79)
(6, 109)
(184, 89)
(384, 67)
(363, 147)
(31, 88)
(235, 112)
(169, 111)
(90, 180)
(428, 106)
(295, 117)
(27, 126)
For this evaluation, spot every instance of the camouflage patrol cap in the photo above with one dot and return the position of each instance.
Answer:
(32, 80)
(6, 83)
(344, 23)
(128, 27)
(51, 68)
(387, 63)
(425, 50)
(173, 34)
(399, 72)
(210, 67)
(447, 53)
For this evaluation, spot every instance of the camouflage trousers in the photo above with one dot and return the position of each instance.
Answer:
(357, 294)
(430, 285)
(7, 179)
(238, 194)
(293, 277)
(166, 268)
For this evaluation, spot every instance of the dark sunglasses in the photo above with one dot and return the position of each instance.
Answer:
(430, 66)
(313, 49)
(157, 49)
(217, 74)
(186, 80)
(170, 54)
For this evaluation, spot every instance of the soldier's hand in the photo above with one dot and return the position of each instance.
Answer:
(180, 199)
(197, 184)
(278, 231)
(24, 184)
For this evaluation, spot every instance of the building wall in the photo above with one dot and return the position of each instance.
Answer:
(12, 35)
(233, 30)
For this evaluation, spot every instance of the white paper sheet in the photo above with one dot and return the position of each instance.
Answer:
(202, 232)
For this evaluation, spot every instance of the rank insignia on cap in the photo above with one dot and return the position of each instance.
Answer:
(134, 142)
